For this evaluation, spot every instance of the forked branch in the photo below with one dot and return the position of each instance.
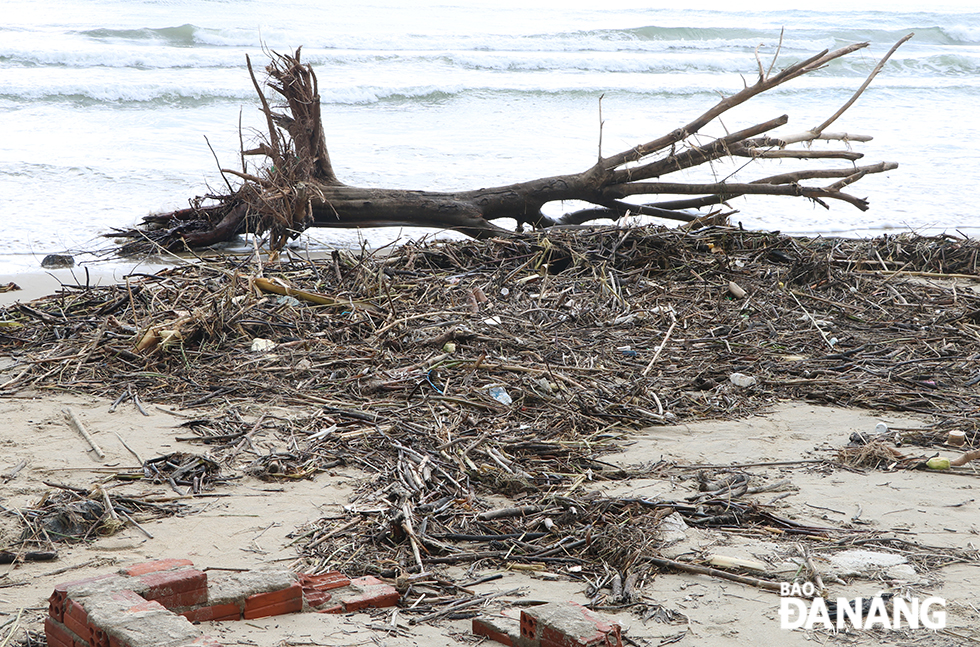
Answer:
(296, 188)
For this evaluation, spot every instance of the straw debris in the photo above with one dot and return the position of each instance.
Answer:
(480, 384)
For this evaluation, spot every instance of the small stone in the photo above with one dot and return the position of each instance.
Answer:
(55, 261)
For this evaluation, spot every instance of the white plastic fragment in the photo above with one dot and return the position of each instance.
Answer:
(742, 380)
(260, 345)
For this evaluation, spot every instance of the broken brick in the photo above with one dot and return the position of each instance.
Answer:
(362, 593)
(217, 612)
(156, 566)
(316, 587)
(274, 603)
(568, 624)
(58, 635)
(502, 629)
(56, 603)
(182, 587)
(76, 620)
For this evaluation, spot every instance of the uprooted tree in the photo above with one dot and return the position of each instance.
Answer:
(296, 188)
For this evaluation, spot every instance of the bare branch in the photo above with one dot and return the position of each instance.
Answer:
(716, 149)
(273, 134)
(748, 151)
(819, 129)
(788, 74)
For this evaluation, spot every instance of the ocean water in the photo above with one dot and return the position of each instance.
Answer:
(112, 109)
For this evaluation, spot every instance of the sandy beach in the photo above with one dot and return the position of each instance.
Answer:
(251, 524)
(908, 532)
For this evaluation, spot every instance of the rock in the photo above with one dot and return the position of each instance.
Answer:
(55, 261)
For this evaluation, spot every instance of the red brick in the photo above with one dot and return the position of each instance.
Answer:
(58, 635)
(101, 639)
(156, 566)
(56, 603)
(120, 623)
(316, 599)
(274, 603)
(220, 612)
(183, 587)
(487, 627)
(362, 593)
(186, 599)
(372, 592)
(275, 609)
(324, 582)
(315, 587)
(568, 624)
(76, 620)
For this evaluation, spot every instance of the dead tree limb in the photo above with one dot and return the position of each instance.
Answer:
(296, 187)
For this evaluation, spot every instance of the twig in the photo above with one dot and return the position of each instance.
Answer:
(456, 606)
(819, 129)
(84, 434)
(13, 629)
(130, 449)
(510, 512)
(11, 474)
(133, 521)
(812, 320)
(714, 572)
(660, 348)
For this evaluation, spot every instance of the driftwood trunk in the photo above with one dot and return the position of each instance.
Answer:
(296, 188)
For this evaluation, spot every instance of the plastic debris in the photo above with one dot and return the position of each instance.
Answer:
(260, 345)
(742, 380)
(500, 394)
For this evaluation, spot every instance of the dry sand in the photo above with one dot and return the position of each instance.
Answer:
(250, 525)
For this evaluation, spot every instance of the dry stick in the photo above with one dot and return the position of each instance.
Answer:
(130, 449)
(333, 533)
(965, 458)
(11, 474)
(13, 629)
(410, 531)
(934, 275)
(806, 461)
(75, 422)
(92, 562)
(819, 129)
(659, 349)
(812, 320)
(108, 504)
(91, 348)
(714, 572)
(133, 521)
(13, 381)
(808, 559)
(136, 400)
(510, 512)
(456, 606)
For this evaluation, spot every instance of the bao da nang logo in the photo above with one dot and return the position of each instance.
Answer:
(800, 607)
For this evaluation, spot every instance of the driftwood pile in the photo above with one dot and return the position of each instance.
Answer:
(481, 383)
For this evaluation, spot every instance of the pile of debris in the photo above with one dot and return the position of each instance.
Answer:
(480, 383)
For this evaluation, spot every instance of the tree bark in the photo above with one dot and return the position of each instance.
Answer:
(297, 188)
